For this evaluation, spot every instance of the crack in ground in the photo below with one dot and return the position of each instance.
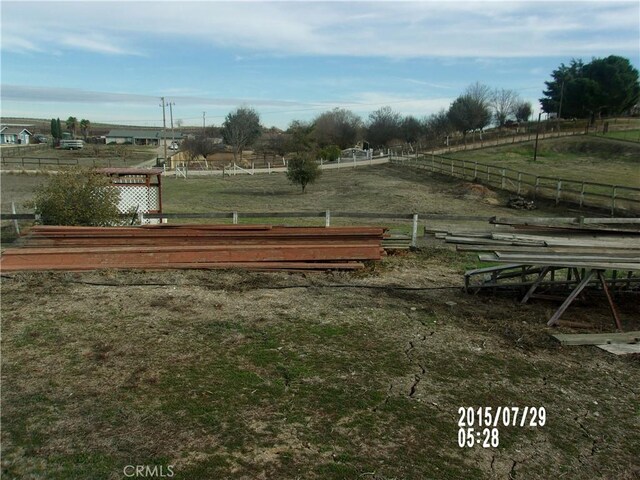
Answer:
(589, 436)
(513, 468)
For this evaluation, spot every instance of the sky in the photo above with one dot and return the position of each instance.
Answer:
(111, 62)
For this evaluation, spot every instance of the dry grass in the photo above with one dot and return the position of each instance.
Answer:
(248, 375)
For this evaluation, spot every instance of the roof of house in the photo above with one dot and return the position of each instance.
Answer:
(141, 133)
(13, 130)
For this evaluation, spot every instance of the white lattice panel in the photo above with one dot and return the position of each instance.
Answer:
(138, 198)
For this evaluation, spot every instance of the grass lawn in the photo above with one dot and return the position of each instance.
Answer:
(244, 375)
(230, 374)
(594, 159)
(629, 135)
(91, 155)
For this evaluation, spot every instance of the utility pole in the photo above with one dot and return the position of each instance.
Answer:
(164, 129)
(535, 149)
(203, 114)
(173, 137)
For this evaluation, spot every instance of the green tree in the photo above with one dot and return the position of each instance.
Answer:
(605, 86)
(72, 125)
(85, 127)
(78, 197)
(330, 153)
(58, 128)
(301, 137)
(303, 170)
(241, 128)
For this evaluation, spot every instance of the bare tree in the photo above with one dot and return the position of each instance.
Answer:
(503, 103)
(384, 126)
(522, 111)
(198, 146)
(468, 114)
(241, 128)
(337, 127)
(438, 125)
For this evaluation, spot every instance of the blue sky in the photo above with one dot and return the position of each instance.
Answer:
(111, 61)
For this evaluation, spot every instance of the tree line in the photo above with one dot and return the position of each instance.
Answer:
(72, 124)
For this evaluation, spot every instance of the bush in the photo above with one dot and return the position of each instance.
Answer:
(302, 170)
(78, 197)
(330, 153)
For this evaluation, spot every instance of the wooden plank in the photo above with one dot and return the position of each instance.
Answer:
(597, 338)
(621, 348)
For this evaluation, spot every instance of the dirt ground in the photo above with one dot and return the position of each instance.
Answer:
(230, 374)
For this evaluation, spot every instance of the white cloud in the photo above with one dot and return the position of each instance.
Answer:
(376, 29)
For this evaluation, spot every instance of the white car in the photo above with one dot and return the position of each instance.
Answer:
(174, 146)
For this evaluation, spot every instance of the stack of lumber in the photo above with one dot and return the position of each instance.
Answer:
(257, 247)
(548, 241)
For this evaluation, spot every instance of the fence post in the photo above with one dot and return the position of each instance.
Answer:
(327, 218)
(558, 191)
(582, 195)
(414, 231)
(464, 168)
(235, 217)
(535, 189)
(452, 167)
(433, 162)
(475, 170)
(141, 217)
(502, 182)
(519, 182)
(15, 222)
(488, 176)
(613, 200)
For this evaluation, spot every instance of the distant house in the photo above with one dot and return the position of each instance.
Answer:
(140, 136)
(14, 134)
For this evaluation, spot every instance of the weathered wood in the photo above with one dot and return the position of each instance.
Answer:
(597, 338)
(621, 348)
(556, 316)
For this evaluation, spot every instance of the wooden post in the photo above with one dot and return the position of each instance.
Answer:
(502, 182)
(327, 218)
(488, 173)
(235, 218)
(452, 167)
(15, 222)
(613, 200)
(558, 191)
(464, 168)
(475, 170)
(535, 189)
(414, 231)
(519, 182)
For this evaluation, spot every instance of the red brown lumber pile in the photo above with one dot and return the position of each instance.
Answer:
(258, 247)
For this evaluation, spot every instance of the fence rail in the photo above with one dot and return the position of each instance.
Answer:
(39, 161)
(617, 198)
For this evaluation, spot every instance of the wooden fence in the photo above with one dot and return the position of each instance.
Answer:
(235, 217)
(616, 198)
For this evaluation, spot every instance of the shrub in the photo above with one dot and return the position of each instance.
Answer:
(302, 170)
(78, 197)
